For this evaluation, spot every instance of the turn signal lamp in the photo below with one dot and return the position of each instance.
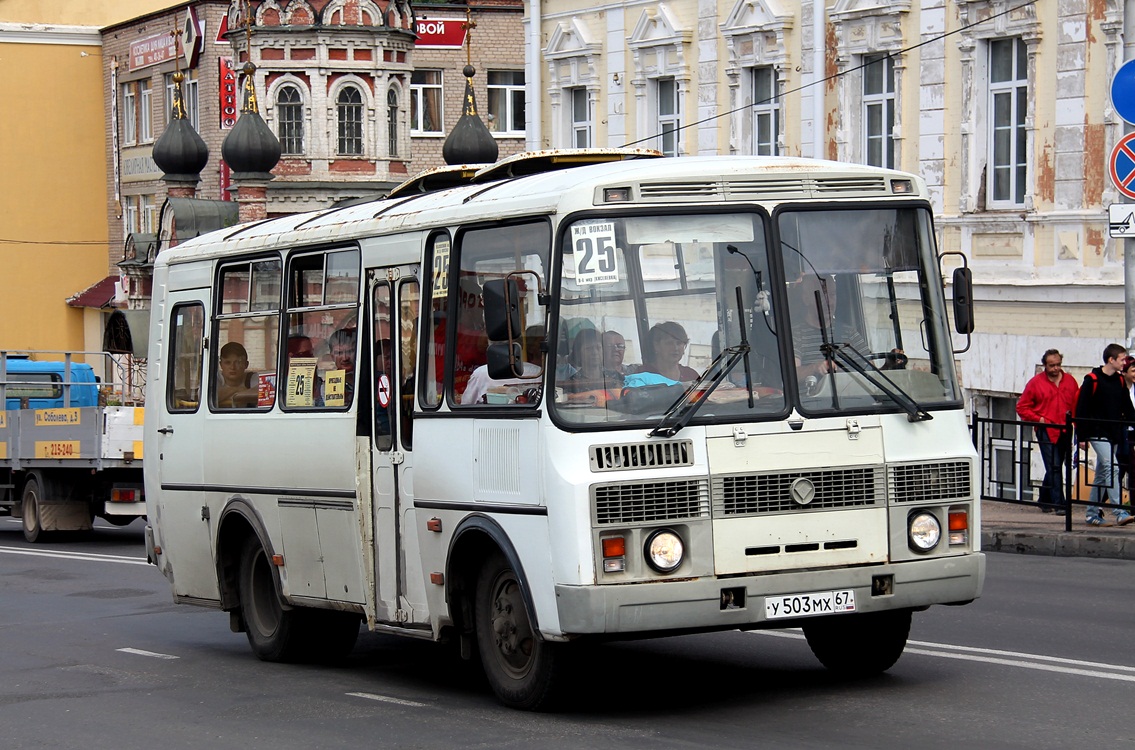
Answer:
(902, 187)
(616, 195)
(614, 554)
(959, 526)
(123, 495)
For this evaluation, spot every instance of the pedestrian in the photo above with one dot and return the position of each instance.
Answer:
(1102, 408)
(1127, 451)
(1048, 398)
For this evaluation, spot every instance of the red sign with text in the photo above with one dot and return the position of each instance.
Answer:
(230, 108)
(440, 32)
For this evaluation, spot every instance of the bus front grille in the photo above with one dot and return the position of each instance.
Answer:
(928, 482)
(647, 502)
(623, 456)
(795, 491)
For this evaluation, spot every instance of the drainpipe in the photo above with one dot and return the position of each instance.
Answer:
(535, 120)
(819, 15)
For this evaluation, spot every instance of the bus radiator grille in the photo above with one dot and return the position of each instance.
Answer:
(920, 483)
(625, 456)
(648, 502)
(825, 489)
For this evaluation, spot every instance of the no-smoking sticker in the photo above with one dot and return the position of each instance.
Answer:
(383, 391)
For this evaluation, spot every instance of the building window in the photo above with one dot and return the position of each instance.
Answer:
(140, 214)
(669, 116)
(129, 115)
(392, 122)
(145, 112)
(580, 118)
(766, 112)
(289, 120)
(1008, 107)
(350, 110)
(188, 99)
(879, 110)
(425, 101)
(506, 101)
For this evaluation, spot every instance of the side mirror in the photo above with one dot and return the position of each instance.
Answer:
(963, 300)
(505, 360)
(502, 310)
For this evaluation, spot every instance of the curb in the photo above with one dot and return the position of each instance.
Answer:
(1059, 544)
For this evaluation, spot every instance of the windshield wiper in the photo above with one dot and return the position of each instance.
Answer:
(872, 374)
(684, 409)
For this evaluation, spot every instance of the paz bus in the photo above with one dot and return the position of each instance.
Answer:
(569, 397)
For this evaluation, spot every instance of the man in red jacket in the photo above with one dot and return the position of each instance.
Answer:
(1048, 398)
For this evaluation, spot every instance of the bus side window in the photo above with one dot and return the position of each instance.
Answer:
(187, 338)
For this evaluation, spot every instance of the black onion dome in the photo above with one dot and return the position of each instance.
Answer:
(251, 149)
(470, 142)
(180, 152)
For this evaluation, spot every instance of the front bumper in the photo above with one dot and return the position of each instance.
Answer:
(697, 604)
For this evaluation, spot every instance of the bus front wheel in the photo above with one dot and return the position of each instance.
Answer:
(522, 668)
(860, 645)
(273, 632)
(33, 527)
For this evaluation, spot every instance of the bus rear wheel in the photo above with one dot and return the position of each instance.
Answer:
(522, 668)
(33, 527)
(861, 645)
(273, 632)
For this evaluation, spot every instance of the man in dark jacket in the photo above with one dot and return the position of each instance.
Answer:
(1101, 411)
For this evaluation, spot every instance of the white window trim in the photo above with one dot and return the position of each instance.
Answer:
(973, 45)
(129, 115)
(883, 99)
(272, 116)
(658, 47)
(572, 60)
(1011, 88)
(508, 90)
(145, 111)
(755, 36)
(758, 107)
(416, 95)
(366, 114)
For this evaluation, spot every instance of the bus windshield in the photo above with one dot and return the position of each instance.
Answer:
(651, 305)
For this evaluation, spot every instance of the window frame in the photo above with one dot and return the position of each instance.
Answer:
(294, 122)
(251, 306)
(585, 127)
(882, 101)
(1015, 89)
(668, 112)
(765, 108)
(174, 369)
(504, 97)
(349, 119)
(422, 93)
(189, 98)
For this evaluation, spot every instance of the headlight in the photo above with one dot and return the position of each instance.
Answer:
(924, 531)
(664, 550)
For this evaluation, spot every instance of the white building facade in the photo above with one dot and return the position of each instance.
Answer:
(1002, 106)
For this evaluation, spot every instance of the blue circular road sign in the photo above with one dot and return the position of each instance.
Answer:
(1123, 91)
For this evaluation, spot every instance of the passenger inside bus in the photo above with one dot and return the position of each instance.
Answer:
(587, 359)
(235, 387)
(342, 345)
(614, 352)
(665, 348)
(480, 384)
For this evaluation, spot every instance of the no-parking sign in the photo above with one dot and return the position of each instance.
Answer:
(1121, 165)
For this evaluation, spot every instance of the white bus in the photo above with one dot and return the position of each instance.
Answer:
(580, 396)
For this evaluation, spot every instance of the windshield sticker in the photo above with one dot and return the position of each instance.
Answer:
(594, 252)
(441, 269)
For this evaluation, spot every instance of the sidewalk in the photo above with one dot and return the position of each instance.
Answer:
(1006, 527)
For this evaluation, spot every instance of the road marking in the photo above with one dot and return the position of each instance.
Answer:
(388, 699)
(83, 556)
(993, 656)
(140, 652)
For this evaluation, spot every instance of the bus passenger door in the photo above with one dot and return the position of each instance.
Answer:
(174, 444)
(400, 596)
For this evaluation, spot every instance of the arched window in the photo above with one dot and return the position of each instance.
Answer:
(289, 120)
(350, 106)
(392, 121)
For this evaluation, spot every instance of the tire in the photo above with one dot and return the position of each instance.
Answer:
(274, 633)
(32, 499)
(861, 645)
(522, 668)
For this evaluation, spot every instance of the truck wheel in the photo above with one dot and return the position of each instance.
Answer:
(522, 668)
(33, 529)
(273, 632)
(861, 645)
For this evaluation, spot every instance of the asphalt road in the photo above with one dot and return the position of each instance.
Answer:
(96, 655)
